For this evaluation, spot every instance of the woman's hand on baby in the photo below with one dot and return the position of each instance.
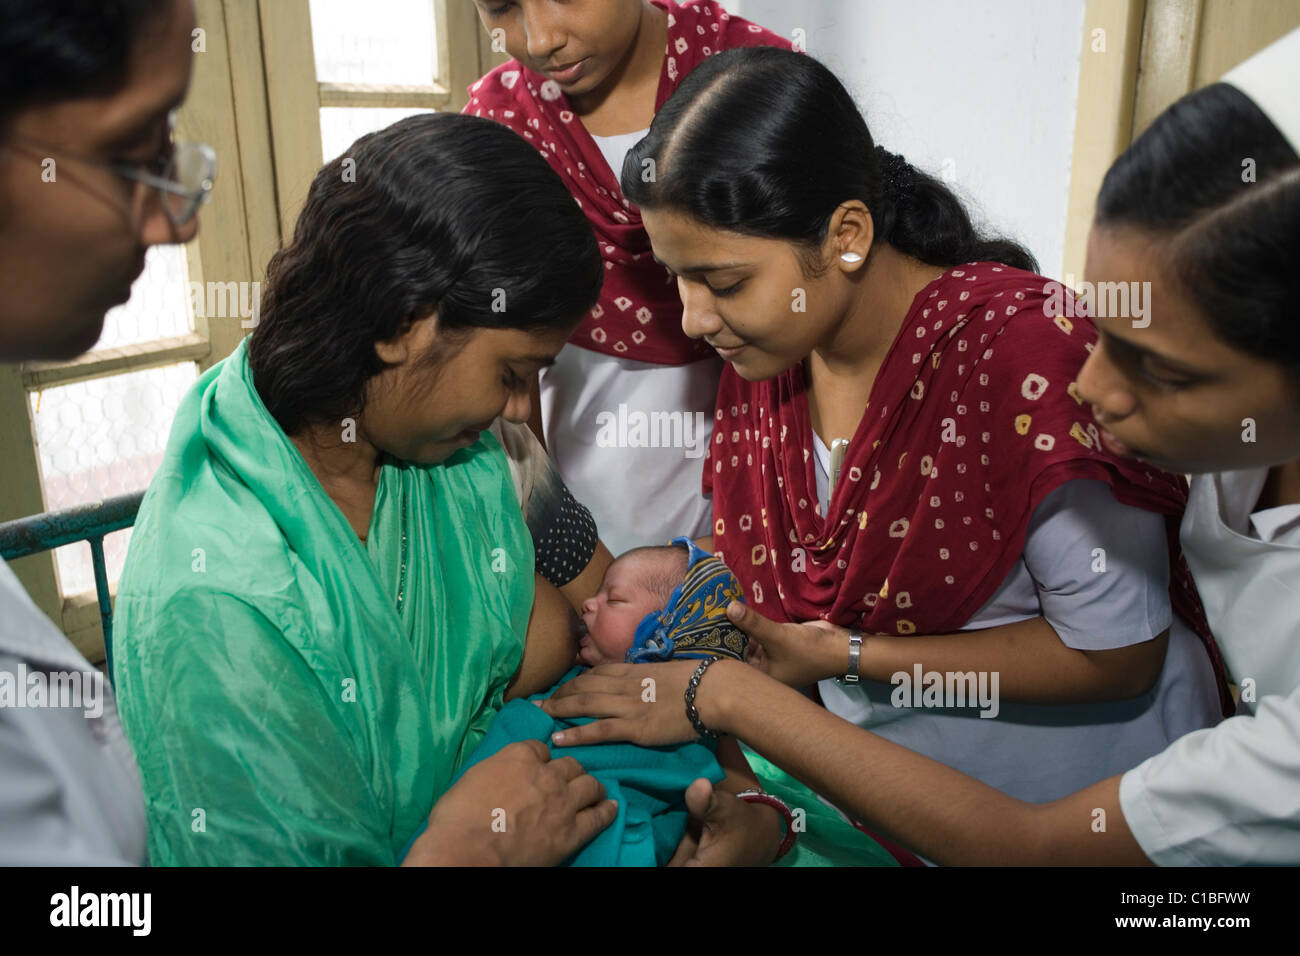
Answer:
(794, 654)
(641, 703)
(518, 807)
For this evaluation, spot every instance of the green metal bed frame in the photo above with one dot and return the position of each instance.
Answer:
(89, 523)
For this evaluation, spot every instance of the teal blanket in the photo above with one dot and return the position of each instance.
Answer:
(649, 783)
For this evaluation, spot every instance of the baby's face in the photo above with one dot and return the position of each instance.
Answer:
(613, 614)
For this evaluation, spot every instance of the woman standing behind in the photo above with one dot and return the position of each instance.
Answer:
(977, 524)
(587, 78)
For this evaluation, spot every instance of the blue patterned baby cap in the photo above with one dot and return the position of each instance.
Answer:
(694, 624)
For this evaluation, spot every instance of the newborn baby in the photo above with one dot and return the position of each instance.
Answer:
(654, 604)
(659, 603)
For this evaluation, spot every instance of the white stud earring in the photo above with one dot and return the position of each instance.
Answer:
(850, 257)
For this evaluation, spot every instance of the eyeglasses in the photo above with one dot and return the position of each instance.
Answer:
(184, 181)
(183, 174)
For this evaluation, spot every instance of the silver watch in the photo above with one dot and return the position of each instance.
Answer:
(855, 657)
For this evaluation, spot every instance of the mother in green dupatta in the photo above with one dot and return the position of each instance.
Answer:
(331, 585)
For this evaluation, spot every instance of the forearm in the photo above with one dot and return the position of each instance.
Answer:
(739, 776)
(765, 824)
(587, 583)
(935, 810)
(441, 848)
(1031, 662)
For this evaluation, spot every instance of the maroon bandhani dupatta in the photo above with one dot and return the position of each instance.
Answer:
(973, 420)
(639, 314)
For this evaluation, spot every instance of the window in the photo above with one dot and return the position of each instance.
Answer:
(388, 59)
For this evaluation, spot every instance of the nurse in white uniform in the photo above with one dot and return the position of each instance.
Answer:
(1232, 795)
(1204, 206)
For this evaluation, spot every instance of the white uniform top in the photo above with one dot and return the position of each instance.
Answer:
(596, 414)
(1041, 752)
(69, 789)
(1231, 795)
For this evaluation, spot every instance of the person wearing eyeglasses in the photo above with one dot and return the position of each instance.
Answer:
(89, 180)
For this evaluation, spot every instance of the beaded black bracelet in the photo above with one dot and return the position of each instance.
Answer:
(691, 688)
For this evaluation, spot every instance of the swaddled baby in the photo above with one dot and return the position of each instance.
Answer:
(658, 603)
(654, 604)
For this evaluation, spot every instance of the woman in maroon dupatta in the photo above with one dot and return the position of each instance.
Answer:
(1017, 569)
(585, 81)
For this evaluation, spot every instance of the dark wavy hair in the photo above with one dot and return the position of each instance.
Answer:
(1233, 244)
(58, 49)
(767, 142)
(446, 212)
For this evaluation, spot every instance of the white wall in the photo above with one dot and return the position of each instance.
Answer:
(984, 90)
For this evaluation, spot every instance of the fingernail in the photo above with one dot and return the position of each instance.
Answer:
(538, 703)
(557, 737)
(735, 611)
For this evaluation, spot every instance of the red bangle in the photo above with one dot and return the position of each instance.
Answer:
(758, 796)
